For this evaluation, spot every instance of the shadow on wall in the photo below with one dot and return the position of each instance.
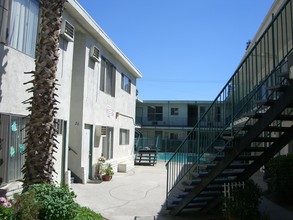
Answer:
(3, 65)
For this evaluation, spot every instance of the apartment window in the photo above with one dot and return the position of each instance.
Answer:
(174, 111)
(23, 27)
(125, 83)
(155, 113)
(174, 136)
(107, 79)
(58, 123)
(218, 114)
(124, 137)
(4, 8)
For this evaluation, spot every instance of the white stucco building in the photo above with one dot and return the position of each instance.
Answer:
(97, 92)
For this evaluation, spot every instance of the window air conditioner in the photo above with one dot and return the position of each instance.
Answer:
(100, 130)
(67, 31)
(95, 54)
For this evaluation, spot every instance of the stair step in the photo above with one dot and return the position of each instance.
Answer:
(213, 190)
(215, 187)
(238, 166)
(224, 173)
(223, 180)
(199, 174)
(174, 200)
(278, 88)
(228, 137)
(209, 193)
(220, 148)
(188, 188)
(203, 199)
(196, 205)
(192, 182)
(230, 173)
(247, 149)
(255, 149)
(241, 157)
(265, 102)
(207, 166)
(265, 139)
(253, 115)
(277, 128)
(199, 199)
(210, 157)
(283, 74)
(269, 128)
(285, 117)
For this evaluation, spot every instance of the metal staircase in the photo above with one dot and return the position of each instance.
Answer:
(248, 123)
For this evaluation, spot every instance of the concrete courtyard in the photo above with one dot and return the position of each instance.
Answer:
(140, 194)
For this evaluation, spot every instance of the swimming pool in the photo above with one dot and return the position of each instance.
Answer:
(180, 158)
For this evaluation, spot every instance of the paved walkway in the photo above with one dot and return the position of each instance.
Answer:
(139, 195)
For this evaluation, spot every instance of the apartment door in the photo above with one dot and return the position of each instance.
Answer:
(108, 144)
(87, 150)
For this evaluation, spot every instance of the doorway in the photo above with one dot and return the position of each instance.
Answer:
(87, 150)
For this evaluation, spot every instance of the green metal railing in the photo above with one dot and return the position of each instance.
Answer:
(250, 82)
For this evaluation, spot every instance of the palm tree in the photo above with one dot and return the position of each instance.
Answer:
(40, 130)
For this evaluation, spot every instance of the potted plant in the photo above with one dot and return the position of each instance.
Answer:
(107, 173)
(100, 167)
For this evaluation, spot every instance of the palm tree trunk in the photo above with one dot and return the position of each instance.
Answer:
(40, 130)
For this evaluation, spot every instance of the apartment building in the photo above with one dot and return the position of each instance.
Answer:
(165, 124)
(97, 92)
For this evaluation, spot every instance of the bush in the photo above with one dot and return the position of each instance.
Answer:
(45, 202)
(279, 174)
(245, 202)
(84, 213)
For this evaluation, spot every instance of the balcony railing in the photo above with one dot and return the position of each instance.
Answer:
(177, 122)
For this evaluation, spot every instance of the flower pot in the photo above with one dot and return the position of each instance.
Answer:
(106, 177)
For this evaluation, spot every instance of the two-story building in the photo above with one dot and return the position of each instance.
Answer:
(97, 92)
(164, 124)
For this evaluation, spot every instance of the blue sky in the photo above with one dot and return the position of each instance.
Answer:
(185, 50)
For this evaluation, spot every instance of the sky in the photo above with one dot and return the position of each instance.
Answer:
(185, 49)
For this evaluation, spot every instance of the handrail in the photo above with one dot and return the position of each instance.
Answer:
(237, 98)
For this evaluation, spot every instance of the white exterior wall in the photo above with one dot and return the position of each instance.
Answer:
(13, 90)
(90, 105)
(92, 108)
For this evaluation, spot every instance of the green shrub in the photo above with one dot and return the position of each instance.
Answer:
(279, 174)
(245, 202)
(46, 202)
(84, 213)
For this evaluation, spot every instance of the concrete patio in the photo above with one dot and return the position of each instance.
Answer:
(140, 194)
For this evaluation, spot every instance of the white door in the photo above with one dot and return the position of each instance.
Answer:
(86, 149)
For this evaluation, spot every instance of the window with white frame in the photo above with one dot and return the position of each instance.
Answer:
(155, 113)
(174, 111)
(125, 83)
(107, 77)
(124, 137)
(23, 26)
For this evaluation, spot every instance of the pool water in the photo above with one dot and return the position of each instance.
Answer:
(181, 158)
